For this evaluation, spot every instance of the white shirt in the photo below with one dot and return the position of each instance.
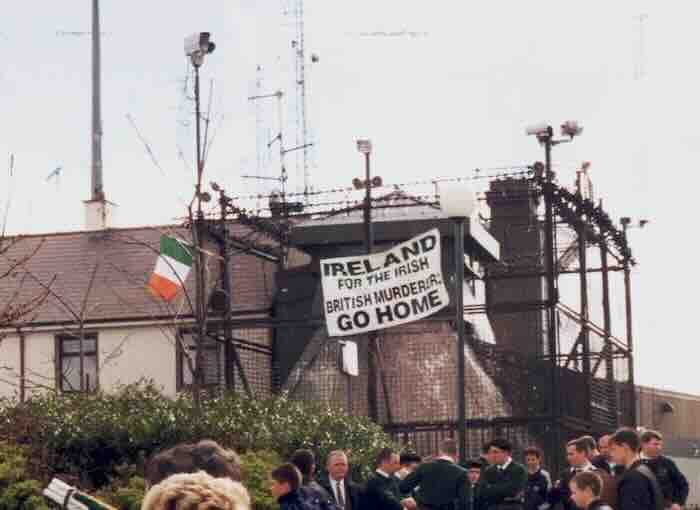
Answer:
(339, 485)
(506, 464)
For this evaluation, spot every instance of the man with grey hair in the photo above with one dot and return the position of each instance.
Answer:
(346, 495)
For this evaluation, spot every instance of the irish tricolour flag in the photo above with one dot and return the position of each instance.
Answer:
(172, 267)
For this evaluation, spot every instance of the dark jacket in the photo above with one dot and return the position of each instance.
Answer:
(498, 486)
(443, 485)
(538, 485)
(674, 484)
(638, 489)
(381, 493)
(294, 500)
(353, 493)
(317, 496)
(602, 463)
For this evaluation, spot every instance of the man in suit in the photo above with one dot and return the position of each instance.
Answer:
(673, 483)
(637, 487)
(345, 494)
(577, 455)
(382, 489)
(443, 485)
(503, 483)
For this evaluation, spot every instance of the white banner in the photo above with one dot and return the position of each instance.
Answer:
(370, 292)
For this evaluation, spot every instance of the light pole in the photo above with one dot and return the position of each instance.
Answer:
(545, 136)
(458, 203)
(626, 263)
(364, 146)
(196, 47)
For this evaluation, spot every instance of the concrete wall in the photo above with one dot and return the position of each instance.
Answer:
(125, 355)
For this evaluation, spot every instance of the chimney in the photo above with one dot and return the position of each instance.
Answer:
(98, 211)
(99, 214)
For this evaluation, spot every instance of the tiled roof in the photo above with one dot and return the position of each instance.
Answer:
(121, 261)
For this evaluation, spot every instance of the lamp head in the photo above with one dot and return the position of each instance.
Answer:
(457, 199)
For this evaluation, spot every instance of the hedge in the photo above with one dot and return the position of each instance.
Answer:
(96, 438)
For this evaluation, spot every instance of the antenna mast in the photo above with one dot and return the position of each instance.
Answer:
(303, 170)
(97, 186)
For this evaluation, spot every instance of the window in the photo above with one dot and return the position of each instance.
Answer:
(68, 364)
(212, 355)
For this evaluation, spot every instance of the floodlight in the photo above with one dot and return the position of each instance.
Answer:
(364, 146)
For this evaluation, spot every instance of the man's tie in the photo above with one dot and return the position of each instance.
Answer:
(339, 494)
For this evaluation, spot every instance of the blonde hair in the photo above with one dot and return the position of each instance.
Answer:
(196, 491)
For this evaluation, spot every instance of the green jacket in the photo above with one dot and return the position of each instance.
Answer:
(440, 483)
(497, 485)
(381, 493)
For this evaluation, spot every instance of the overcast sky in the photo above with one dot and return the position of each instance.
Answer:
(452, 93)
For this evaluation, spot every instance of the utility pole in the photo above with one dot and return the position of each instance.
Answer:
(373, 354)
(552, 297)
(628, 317)
(545, 136)
(196, 47)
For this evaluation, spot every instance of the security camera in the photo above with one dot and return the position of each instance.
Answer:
(571, 128)
(197, 45)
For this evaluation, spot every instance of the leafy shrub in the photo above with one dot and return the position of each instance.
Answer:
(16, 491)
(256, 467)
(91, 435)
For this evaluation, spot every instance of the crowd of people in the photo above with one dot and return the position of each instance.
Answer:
(622, 471)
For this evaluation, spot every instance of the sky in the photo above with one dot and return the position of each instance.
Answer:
(451, 90)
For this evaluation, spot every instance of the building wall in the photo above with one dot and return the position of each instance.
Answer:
(125, 355)
(9, 367)
(683, 422)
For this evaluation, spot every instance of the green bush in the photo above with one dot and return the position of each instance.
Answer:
(17, 492)
(90, 436)
(255, 468)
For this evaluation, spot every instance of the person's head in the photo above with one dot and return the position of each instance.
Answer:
(652, 443)
(207, 456)
(576, 453)
(499, 451)
(448, 448)
(337, 465)
(409, 460)
(590, 444)
(196, 491)
(585, 487)
(474, 471)
(388, 461)
(604, 445)
(485, 454)
(305, 462)
(533, 459)
(624, 446)
(284, 479)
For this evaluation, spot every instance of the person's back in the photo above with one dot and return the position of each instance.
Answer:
(637, 487)
(441, 483)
